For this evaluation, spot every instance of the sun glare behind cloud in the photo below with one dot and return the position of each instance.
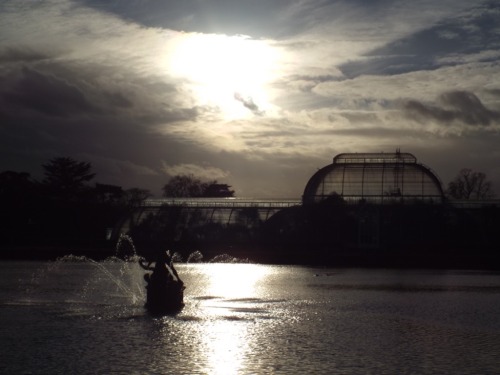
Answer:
(231, 73)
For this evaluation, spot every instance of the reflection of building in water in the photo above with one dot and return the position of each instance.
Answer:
(375, 178)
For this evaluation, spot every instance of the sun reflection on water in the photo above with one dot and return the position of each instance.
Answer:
(226, 335)
(226, 345)
(234, 280)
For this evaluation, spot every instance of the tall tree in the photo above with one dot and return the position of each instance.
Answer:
(469, 184)
(67, 176)
(183, 186)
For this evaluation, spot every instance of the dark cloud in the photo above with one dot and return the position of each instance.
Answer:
(119, 100)
(249, 103)
(47, 94)
(494, 92)
(20, 55)
(121, 149)
(459, 106)
(90, 113)
(306, 83)
(420, 111)
(315, 78)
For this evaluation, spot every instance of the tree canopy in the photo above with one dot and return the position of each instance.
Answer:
(136, 196)
(190, 186)
(469, 184)
(66, 175)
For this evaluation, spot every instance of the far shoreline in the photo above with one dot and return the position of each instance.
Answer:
(486, 262)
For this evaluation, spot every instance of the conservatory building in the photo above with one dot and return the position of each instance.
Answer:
(376, 178)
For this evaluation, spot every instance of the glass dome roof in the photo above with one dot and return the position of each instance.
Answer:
(374, 177)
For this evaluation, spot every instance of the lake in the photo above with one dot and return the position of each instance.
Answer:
(83, 317)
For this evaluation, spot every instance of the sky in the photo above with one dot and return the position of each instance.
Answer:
(256, 94)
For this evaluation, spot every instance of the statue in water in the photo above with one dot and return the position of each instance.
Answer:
(165, 289)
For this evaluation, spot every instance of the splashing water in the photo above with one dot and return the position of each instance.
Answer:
(133, 290)
(176, 257)
(226, 258)
(85, 286)
(195, 257)
(125, 247)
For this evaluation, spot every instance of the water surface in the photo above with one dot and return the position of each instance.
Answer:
(88, 318)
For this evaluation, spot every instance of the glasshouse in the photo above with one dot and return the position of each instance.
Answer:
(376, 178)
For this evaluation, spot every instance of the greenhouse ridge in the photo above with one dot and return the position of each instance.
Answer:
(375, 177)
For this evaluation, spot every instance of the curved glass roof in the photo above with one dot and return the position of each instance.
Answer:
(374, 177)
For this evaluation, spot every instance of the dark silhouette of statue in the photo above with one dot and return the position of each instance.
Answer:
(165, 289)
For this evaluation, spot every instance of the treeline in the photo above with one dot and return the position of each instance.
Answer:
(65, 211)
(68, 213)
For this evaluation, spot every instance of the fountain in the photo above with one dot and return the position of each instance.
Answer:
(80, 286)
(195, 257)
(116, 282)
(164, 289)
(79, 282)
(125, 248)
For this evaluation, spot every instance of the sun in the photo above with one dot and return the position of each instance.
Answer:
(227, 72)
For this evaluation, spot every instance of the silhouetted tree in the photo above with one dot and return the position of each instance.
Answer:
(66, 176)
(63, 209)
(109, 194)
(183, 186)
(136, 196)
(190, 186)
(470, 185)
(216, 190)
